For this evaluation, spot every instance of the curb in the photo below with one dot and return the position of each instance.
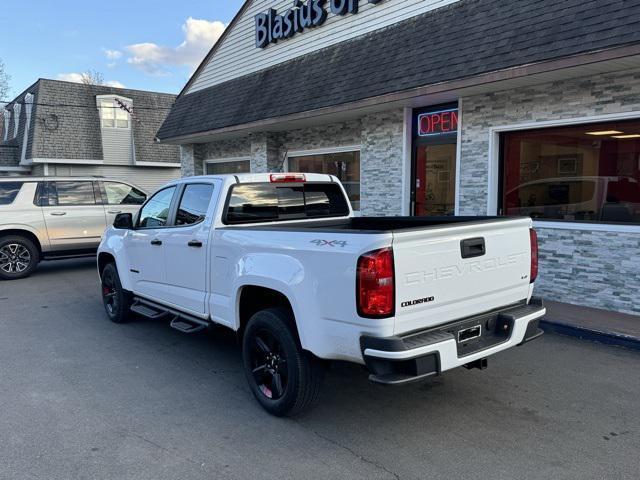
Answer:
(608, 338)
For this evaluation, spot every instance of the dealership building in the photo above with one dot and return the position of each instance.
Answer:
(442, 107)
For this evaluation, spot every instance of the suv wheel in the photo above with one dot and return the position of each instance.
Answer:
(116, 300)
(19, 257)
(283, 377)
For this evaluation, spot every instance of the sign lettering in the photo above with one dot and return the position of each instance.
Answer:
(271, 26)
(438, 123)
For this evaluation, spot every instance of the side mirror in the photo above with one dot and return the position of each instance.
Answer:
(123, 221)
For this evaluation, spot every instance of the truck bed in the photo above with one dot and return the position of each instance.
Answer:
(446, 268)
(372, 224)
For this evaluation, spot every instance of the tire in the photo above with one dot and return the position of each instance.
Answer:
(116, 300)
(19, 257)
(283, 377)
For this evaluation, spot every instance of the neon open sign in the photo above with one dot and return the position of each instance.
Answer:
(438, 123)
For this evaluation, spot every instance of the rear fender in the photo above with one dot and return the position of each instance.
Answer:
(42, 237)
(278, 272)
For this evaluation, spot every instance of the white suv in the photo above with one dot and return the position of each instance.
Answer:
(57, 217)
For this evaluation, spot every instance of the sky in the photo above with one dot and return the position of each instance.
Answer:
(140, 44)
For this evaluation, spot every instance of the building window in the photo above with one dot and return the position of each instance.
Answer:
(585, 173)
(7, 118)
(222, 167)
(112, 113)
(28, 102)
(344, 165)
(17, 108)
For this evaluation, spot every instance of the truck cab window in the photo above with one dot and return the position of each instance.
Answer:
(254, 202)
(194, 204)
(156, 211)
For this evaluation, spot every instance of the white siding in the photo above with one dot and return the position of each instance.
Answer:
(238, 54)
(147, 178)
(117, 146)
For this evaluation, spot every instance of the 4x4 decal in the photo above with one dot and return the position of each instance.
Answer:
(330, 243)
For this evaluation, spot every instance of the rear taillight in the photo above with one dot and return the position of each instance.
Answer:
(375, 284)
(534, 255)
(287, 177)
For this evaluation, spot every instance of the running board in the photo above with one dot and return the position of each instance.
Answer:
(186, 326)
(148, 311)
(182, 322)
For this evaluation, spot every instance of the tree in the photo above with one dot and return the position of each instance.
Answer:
(5, 78)
(92, 77)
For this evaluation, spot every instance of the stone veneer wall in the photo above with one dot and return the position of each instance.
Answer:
(379, 137)
(585, 267)
(382, 163)
(592, 268)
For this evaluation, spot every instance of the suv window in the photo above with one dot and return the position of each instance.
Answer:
(9, 192)
(267, 202)
(123, 194)
(71, 193)
(155, 212)
(194, 204)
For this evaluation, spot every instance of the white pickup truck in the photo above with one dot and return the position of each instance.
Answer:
(282, 260)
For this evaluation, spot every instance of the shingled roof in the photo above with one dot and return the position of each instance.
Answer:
(65, 122)
(467, 38)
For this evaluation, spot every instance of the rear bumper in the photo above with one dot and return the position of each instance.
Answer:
(397, 360)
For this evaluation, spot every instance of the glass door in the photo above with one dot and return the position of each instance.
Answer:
(434, 161)
(435, 182)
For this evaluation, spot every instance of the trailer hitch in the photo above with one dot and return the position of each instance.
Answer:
(479, 364)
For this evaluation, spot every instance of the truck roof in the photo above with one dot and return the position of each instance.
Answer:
(266, 177)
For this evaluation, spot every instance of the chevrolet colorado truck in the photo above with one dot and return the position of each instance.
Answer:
(282, 260)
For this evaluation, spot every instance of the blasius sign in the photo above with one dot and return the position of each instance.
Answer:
(271, 26)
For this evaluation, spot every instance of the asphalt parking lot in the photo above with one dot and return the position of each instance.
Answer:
(81, 398)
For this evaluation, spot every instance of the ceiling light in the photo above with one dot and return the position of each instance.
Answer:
(634, 135)
(605, 132)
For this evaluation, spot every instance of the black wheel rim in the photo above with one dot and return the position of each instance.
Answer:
(14, 258)
(110, 293)
(269, 365)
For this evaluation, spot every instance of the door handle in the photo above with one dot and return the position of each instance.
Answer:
(195, 243)
(58, 214)
(156, 242)
(473, 247)
(114, 212)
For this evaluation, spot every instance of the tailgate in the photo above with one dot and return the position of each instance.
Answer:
(436, 285)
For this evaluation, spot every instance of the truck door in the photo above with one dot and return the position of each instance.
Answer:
(145, 245)
(187, 246)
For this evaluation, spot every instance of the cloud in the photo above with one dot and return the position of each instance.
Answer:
(199, 37)
(114, 84)
(70, 77)
(112, 54)
(78, 78)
